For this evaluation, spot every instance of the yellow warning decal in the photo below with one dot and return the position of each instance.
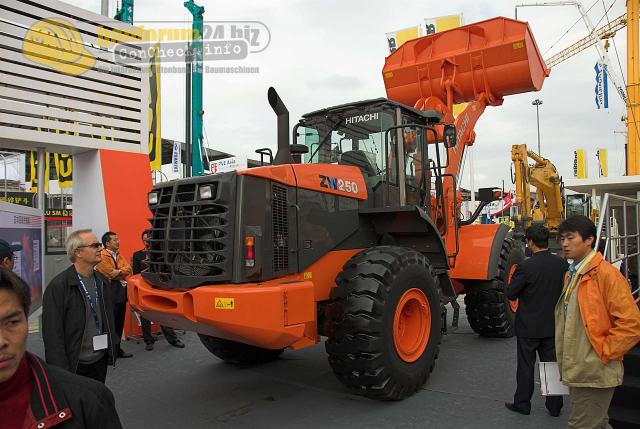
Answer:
(225, 303)
(308, 275)
(388, 75)
(518, 45)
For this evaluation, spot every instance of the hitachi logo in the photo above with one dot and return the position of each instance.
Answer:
(361, 118)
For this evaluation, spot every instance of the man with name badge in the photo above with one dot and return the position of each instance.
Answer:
(77, 314)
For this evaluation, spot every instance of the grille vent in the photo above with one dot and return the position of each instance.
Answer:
(280, 228)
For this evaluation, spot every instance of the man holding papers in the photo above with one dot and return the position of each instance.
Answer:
(536, 284)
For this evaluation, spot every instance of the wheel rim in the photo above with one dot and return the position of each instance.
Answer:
(412, 325)
(513, 304)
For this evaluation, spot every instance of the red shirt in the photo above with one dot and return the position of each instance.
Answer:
(15, 396)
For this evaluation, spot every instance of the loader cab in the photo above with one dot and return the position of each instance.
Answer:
(386, 140)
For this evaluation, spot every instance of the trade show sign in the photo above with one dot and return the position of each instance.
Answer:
(228, 164)
(23, 225)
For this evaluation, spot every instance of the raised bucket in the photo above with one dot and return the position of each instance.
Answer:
(498, 56)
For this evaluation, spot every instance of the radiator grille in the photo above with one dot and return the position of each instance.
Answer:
(190, 237)
(280, 228)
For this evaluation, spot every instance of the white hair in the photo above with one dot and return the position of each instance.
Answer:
(73, 242)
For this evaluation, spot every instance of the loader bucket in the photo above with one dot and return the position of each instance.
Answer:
(498, 56)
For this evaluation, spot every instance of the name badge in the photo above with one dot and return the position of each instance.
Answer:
(100, 342)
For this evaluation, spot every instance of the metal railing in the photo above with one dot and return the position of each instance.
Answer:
(617, 246)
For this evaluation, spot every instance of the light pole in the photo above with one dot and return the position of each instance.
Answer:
(537, 103)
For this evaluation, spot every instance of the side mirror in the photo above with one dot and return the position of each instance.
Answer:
(449, 136)
(487, 195)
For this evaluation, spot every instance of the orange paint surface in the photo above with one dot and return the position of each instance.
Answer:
(278, 173)
(290, 320)
(498, 56)
(291, 302)
(472, 262)
(127, 180)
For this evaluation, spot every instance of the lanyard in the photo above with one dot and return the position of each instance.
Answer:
(575, 278)
(93, 309)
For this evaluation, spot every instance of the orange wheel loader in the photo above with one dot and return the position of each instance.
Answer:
(353, 232)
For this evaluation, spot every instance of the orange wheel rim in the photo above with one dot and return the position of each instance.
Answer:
(513, 304)
(412, 325)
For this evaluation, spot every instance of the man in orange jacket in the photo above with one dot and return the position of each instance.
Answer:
(116, 268)
(597, 322)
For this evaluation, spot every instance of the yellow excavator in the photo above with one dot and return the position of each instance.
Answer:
(549, 209)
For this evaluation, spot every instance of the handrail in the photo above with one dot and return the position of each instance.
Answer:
(612, 242)
(154, 175)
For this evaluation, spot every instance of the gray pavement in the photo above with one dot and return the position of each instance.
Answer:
(190, 388)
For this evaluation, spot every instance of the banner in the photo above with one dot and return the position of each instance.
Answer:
(442, 23)
(176, 158)
(602, 161)
(33, 171)
(64, 167)
(23, 226)
(397, 38)
(601, 89)
(580, 164)
(155, 137)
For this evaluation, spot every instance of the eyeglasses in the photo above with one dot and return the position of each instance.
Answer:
(93, 245)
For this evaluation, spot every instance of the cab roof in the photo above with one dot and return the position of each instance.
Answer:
(431, 116)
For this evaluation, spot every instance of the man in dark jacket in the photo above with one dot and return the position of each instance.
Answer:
(34, 394)
(138, 265)
(77, 312)
(537, 285)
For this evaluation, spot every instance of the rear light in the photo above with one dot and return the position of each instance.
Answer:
(249, 251)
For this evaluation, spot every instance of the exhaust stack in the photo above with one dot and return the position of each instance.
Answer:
(283, 156)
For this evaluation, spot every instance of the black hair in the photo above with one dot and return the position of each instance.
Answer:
(581, 225)
(106, 237)
(146, 231)
(539, 234)
(12, 282)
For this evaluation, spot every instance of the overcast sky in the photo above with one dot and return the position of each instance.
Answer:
(328, 52)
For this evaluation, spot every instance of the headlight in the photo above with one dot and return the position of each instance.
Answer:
(206, 192)
(153, 198)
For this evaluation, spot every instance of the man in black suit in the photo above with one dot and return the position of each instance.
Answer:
(536, 284)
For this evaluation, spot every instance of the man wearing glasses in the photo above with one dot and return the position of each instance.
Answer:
(77, 312)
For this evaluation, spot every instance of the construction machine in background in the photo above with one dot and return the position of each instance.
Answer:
(548, 207)
(354, 231)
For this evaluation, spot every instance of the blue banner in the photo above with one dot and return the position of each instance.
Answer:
(601, 88)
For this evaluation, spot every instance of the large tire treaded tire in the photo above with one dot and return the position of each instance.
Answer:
(238, 353)
(361, 345)
(487, 308)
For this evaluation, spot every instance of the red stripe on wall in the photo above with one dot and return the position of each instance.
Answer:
(127, 180)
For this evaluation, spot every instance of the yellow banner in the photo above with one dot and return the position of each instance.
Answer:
(64, 167)
(397, 38)
(580, 164)
(155, 138)
(602, 159)
(442, 23)
(33, 172)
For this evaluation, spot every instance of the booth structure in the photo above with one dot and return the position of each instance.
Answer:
(62, 89)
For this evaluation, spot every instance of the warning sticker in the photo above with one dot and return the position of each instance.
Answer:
(308, 275)
(225, 303)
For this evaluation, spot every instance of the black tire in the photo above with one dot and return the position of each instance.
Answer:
(487, 306)
(361, 323)
(238, 353)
